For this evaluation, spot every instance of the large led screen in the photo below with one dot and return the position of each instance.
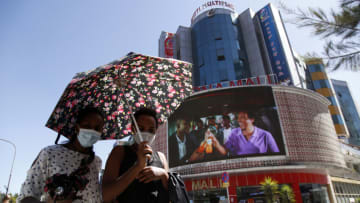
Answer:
(225, 124)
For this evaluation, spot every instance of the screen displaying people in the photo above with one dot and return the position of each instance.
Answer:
(249, 139)
(180, 144)
(241, 130)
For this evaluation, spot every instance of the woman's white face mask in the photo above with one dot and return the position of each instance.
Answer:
(146, 137)
(88, 137)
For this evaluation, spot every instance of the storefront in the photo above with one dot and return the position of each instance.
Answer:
(246, 188)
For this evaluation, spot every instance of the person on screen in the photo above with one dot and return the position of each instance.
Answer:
(226, 128)
(211, 144)
(214, 128)
(197, 135)
(180, 144)
(249, 139)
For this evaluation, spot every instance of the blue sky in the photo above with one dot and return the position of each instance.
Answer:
(44, 43)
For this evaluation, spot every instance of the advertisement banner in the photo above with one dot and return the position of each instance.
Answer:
(274, 47)
(169, 45)
(225, 124)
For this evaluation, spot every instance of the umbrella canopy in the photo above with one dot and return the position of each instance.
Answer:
(121, 87)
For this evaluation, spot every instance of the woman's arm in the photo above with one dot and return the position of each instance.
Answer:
(112, 184)
(165, 177)
(33, 187)
(151, 173)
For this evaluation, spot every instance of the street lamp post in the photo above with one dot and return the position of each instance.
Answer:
(12, 165)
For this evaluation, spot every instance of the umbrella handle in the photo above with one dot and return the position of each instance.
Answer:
(133, 118)
(136, 125)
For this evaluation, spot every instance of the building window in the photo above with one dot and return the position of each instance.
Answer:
(221, 58)
(220, 54)
(218, 38)
(201, 61)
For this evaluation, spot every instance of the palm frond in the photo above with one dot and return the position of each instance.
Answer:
(333, 25)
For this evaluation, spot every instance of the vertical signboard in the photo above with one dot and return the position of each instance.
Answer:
(169, 45)
(274, 47)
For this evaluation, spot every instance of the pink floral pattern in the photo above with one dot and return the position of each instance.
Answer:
(144, 81)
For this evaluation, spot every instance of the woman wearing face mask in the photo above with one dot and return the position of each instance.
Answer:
(135, 173)
(68, 172)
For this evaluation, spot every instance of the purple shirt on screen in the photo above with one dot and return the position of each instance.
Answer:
(260, 142)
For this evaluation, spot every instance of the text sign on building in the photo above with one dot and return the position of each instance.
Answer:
(275, 50)
(204, 184)
(258, 80)
(169, 45)
(211, 5)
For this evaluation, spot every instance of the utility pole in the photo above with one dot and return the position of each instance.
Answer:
(12, 165)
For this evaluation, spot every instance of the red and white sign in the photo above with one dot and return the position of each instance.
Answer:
(169, 45)
(259, 80)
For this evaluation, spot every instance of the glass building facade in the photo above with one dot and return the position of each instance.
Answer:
(349, 110)
(217, 48)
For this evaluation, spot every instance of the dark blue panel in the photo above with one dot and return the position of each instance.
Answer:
(273, 44)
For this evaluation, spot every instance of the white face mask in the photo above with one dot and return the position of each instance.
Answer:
(146, 137)
(88, 137)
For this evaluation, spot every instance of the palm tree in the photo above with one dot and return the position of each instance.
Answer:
(341, 29)
(286, 194)
(270, 188)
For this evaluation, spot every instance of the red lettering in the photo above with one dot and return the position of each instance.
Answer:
(239, 83)
(258, 80)
(232, 84)
(249, 81)
(203, 88)
(269, 79)
(218, 85)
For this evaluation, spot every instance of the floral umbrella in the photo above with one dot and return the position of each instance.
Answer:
(120, 88)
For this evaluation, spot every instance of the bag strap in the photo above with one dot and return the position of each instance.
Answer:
(177, 189)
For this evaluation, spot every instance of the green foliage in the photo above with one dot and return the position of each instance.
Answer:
(340, 29)
(287, 194)
(270, 188)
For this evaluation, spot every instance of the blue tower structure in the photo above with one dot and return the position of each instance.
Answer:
(218, 50)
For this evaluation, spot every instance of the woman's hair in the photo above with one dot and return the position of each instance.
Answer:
(147, 112)
(83, 113)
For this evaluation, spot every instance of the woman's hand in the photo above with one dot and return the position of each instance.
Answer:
(143, 153)
(151, 173)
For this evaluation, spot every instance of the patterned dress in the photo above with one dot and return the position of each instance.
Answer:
(59, 159)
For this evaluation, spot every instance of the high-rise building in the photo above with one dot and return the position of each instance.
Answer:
(322, 85)
(349, 110)
(227, 140)
(225, 46)
(167, 45)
